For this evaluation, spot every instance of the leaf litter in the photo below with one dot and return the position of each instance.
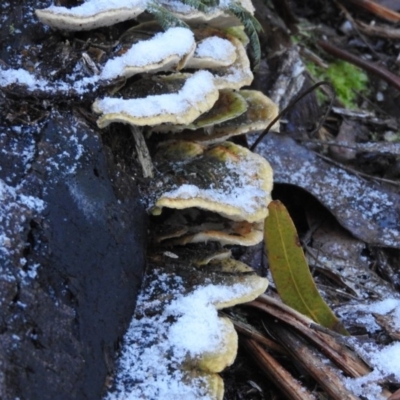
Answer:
(369, 211)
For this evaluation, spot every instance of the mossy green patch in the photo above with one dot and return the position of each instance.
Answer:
(345, 78)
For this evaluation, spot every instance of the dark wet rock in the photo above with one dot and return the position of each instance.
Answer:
(72, 239)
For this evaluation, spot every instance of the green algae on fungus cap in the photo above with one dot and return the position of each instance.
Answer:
(260, 111)
(226, 179)
(230, 104)
(197, 95)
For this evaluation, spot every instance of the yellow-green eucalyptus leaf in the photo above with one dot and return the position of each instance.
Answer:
(290, 270)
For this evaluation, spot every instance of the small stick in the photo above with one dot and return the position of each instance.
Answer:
(142, 152)
(325, 375)
(253, 335)
(276, 373)
(378, 10)
(379, 30)
(345, 359)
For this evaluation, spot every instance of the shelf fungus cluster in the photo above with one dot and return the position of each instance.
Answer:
(182, 88)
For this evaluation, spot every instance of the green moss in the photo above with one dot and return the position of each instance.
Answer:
(345, 78)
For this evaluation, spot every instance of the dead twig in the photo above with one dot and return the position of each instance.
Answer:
(255, 336)
(377, 9)
(369, 147)
(329, 345)
(142, 152)
(366, 65)
(324, 374)
(291, 105)
(276, 373)
(383, 31)
(355, 27)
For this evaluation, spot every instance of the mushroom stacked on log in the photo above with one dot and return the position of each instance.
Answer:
(186, 93)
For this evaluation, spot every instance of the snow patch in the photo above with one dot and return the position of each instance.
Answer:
(175, 41)
(158, 342)
(216, 48)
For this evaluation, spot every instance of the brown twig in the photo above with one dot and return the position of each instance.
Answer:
(344, 358)
(276, 373)
(377, 9)
(366, 65)
(325, 375)
(386, 32)
(355, 27)
(251, 333)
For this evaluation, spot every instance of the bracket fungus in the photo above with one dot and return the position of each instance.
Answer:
(91, 14)
(213, 52)
(235, 113)
(230, 104)
(227, 179)
(177, 331)
(213, 16)
(260, 111)
(211, 189)
(162, 52)
(197, 95)
(97, 13)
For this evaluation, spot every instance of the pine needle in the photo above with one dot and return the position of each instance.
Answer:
(164, 17)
